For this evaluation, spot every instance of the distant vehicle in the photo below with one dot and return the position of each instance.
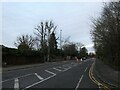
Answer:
(83, 58)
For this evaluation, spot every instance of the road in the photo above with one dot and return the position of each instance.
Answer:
(65, 74)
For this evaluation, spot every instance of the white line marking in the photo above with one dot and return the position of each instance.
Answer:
(16, 84)
(57, 69)
(54, 62)
(64, 61)
(16, 77)
(39, 76)
(79, 83)
(86, 69)
(75, 64)
(67, 69)
(62, 67)
(41, 80)
(38, 82)
(50, 72)
(66, 66)
(99, 85)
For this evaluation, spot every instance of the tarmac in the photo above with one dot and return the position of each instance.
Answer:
(101, 71)
(106, 74)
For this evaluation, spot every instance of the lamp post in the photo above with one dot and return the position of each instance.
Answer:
(48, 57)
(60, 42)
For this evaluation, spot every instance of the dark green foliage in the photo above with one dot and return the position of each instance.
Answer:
(83, 52)
(25, 42)
(17, 57)
(70, 50)
(45, 36)
(106, 34)
(53, 45)
(23, 46)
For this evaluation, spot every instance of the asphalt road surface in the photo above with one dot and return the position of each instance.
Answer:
(66, 74)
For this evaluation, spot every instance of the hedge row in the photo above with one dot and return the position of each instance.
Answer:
(14, 56)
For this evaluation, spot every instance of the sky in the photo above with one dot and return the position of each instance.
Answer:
(73, 18)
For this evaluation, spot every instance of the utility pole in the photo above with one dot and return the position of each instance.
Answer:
(60, 42)
(48, 57)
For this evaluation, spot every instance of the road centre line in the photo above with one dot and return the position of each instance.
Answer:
(57, 69)
(16, 77)
(79, 82)
(16, 84)
(39, 76)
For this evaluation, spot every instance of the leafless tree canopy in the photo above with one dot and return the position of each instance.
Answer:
(106, 33)
(25, 42)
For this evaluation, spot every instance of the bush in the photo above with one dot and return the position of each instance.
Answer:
(17, 57)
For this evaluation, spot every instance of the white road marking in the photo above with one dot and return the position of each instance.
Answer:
(99, 85)
(16, 84)
(62, 67)
(66, 66)
(39, 76)
(57, 69)
(50, 72)
(79, 83)
(64, 61)
(16, 77)
(86, 69)
(41, 80)
(38, 82)
(67, 69)
(54, 62)
(75, 64)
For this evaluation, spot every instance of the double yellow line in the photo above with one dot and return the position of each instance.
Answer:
(101, 85)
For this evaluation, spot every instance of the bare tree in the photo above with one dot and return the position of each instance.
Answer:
(106, 33)
(44, 30)
(25, 42)
(79, 45)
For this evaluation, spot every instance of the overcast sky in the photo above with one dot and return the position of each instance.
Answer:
(74, 19)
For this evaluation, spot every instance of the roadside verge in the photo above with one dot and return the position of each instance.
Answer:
(17, 67)
(106, 74)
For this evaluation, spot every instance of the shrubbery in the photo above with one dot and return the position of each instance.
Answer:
(15, 56)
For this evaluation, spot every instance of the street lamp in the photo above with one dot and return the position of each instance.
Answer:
(60, 41)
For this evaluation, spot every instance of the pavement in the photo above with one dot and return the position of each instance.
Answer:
(71, 74)
(10, 68)
(106, 75)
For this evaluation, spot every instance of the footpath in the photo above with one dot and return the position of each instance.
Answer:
(9, 68)
(106, 74)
